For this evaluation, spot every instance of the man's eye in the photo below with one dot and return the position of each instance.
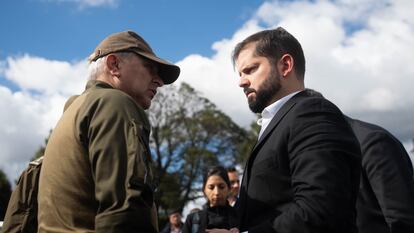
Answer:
(155, 69)
(250, 70)
(152, 68)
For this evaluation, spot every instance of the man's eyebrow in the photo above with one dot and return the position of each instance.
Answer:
(152, 65)
(249, 67)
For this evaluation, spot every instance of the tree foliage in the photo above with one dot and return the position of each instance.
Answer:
(189, 134)
(245, 147)
(41, 151)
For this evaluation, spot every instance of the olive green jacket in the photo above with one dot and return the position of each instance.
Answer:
(96, 174)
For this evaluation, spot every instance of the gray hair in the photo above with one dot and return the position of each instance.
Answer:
(96, 68)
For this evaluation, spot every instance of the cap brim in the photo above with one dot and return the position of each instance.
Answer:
(168, 72)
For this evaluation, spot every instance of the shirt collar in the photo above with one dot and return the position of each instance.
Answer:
(270, 111)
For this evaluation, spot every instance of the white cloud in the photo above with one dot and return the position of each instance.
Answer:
(89, 3)
(46, 76)
(30, 113)
(365, 70)
(380, 99)
(97, 3)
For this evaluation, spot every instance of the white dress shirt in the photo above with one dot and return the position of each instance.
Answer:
(270, 111)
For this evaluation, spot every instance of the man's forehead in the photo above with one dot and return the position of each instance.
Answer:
(246, 55)
(232, 173)
(249, 47)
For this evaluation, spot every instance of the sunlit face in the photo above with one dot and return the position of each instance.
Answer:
(139, 78)
(216, 191)
(258, 78)
(234, 182)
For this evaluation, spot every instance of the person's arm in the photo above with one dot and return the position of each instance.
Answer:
(324, 166)
(119, 163)
(389, 171)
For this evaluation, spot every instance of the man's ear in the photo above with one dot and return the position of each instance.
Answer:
(112, 63)
(285, 65)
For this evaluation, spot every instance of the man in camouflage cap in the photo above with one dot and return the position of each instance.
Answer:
(97, 174)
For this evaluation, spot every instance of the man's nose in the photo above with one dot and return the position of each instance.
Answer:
(244, 82)
(237, 183)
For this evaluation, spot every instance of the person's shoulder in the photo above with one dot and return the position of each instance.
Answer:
(305, 103)
(110, 95)
(365, 125)
(371, 135)
(191, 215)
(304, 98)
(112, 99)
(195, 216)
(368, 131)
(112, 103)
(166, 228)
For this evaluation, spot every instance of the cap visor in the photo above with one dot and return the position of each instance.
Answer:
(168, 72)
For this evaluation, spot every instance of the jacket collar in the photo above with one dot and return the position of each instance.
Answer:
(277, 118)
(97, 83)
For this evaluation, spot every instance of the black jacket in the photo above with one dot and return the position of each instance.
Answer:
(303, 174)
(386, 198)
(223, 217)
(167, 227)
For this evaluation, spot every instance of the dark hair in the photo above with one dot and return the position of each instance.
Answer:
(216, 171)
(273, 44)
(231, 169)
(174, 211)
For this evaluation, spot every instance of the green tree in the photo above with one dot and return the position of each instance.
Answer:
(189, 134)
(41, 151)
(5, 192)
(246, 146)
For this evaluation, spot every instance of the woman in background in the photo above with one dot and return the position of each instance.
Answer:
(216, 213)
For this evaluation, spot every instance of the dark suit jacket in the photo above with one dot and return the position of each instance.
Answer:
(386, 199)
(303, 174)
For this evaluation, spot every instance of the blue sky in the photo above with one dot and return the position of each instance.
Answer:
(67, 30)
(357, 54)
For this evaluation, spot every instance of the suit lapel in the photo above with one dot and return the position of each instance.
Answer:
(272, 125)
(276, 120)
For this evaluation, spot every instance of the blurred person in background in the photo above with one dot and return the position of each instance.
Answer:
(174, 224)
(216, 213)
(385, 201)
(235, 185)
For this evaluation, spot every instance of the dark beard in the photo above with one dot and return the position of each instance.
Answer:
(265, 92)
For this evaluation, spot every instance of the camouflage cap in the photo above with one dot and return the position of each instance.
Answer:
(131, 41)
